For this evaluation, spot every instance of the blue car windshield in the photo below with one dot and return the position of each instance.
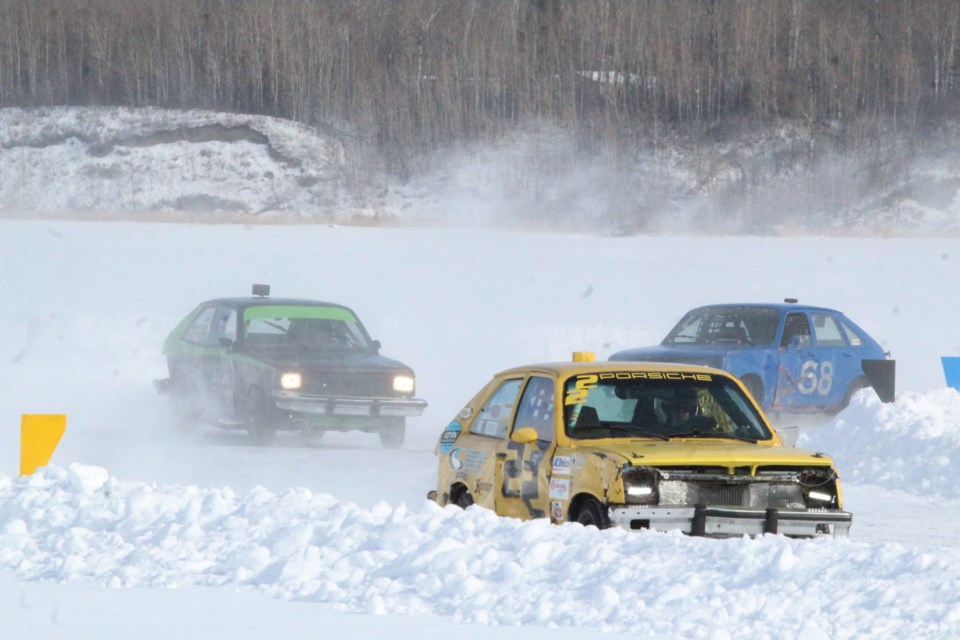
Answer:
(726, 324)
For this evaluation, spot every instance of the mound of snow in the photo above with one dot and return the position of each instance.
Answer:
(911, 445)
(469, 565)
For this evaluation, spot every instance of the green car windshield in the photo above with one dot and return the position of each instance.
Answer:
(648, 404)
(314, 328)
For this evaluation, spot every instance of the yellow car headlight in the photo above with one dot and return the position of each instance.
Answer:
(640, 485)
(290, 381)
(403, 384)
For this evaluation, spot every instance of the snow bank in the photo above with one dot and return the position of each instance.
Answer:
(911, 445)
(79, 524)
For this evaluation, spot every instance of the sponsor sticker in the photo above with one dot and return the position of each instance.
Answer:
(561, 465)
(449, 436)
(481, 487)
(578, 461)
(556, 511)
(560, 488)
(466, 460)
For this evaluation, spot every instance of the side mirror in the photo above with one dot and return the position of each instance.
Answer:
(524, 435)
(376, 345)
(796, 342)
(226, 342)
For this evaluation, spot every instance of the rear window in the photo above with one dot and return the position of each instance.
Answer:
(852, 334)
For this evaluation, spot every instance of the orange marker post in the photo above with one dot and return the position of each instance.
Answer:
(39, 436)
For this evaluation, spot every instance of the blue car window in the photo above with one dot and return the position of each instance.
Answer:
(796, 326)
(686, 330)
(827, 331)
(762, 325)
(730, 324)
(852, 335)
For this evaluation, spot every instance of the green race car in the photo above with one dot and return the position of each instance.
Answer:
(264, 364)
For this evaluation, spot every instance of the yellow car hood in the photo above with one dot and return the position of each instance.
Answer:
(710, 453)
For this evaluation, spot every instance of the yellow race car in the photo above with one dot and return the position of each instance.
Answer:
(637, 445)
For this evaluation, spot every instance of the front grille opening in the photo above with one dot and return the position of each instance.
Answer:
(735, 495)
(348, 383)
(639, 524)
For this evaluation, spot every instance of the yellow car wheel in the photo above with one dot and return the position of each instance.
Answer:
(591, 512)
(461, 497)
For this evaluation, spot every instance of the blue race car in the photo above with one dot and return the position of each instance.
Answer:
(792, 358)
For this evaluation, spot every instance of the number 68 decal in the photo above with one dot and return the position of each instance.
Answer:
(812, 380)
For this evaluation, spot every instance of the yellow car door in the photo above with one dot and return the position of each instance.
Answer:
(523, 460)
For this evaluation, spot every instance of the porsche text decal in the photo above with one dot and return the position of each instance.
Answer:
(587, 381)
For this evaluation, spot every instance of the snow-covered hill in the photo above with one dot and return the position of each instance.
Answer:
(167, 164)
(189, 165)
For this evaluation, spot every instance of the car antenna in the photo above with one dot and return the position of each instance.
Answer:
(790, 300)
(261, 290)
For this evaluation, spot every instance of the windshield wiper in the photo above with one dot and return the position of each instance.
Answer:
(714, 434)
(631, 429)
(640, 430)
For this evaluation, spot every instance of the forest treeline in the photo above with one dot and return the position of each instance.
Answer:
(407, 77)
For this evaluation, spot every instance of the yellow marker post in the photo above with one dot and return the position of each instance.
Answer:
(39, 436)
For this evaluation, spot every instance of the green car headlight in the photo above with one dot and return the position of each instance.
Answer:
(403, 384)
(290, 381)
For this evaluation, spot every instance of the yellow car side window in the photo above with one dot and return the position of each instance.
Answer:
(494, 417)
(536, 408)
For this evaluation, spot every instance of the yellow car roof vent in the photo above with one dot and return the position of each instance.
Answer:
(584, 356)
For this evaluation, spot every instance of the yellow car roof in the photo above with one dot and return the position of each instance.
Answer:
(562, 369)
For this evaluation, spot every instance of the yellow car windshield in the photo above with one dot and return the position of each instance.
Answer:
(634, 404)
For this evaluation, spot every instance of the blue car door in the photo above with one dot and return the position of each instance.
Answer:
(838, 366)
(798, 369)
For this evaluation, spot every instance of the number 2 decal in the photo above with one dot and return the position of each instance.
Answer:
(814, 380)
(578, 395)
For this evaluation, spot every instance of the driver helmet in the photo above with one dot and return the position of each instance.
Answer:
(683, 399)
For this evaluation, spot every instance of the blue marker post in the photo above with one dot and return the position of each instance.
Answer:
(951, 371)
